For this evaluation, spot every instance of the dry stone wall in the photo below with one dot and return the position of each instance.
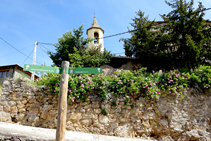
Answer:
(166, 119)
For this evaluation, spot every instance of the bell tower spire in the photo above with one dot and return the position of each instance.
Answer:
(95, 32)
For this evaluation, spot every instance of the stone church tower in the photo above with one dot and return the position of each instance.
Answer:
(95, 32)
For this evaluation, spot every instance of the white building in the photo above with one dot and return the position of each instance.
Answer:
(95, 32)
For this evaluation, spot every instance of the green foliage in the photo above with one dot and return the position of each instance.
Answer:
(93, 57)
(187, 34)
(114, 103)
(144, 38)
(72, 47)
(125, 84)
(201, 77)
(185, 70)
(68, 46)
(104, 111)
(183, 41)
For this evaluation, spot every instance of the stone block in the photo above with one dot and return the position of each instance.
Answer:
(2, 103)
(32, 100)
(114, 125)
(87, 107)
(13, 113)
(4, 116)
(24, 101)
(97, 111)
(22, 110)
(21, 116)
(75, 117)
(7, 108)
(103, 119)
(1, 108)
(55, 102)
(53, 112)
(12, 108)
(82, 110)
(12, 103)
(18, 103)
(86, 122)
(33, 119)
(32, 113)
(29, 105)
(44, 114)
(20, 106)
(95, 105)
(122, 120)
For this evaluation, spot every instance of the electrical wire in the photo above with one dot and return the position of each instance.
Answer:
(47, 43)
(27, 57)
(16, 49)
(45, 47)
(42, 49)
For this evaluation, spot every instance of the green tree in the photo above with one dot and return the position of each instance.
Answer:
(144, 42)
(188, 35)
(184, 40)
(72, 47)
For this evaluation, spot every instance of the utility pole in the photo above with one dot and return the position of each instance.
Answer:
(34, 60)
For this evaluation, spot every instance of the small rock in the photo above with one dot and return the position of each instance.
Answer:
(103, 119)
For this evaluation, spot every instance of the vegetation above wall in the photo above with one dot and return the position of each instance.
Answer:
(181, 40)
(132, 83)
(73, 48)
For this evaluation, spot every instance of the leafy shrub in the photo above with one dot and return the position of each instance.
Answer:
(128, 83)
(104, 111)
(114, 103)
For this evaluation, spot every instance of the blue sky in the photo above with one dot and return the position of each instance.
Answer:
(22, 22)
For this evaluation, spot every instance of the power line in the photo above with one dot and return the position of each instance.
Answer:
(17, 49)
(46, 43)
(118, 34)
(27, 57)
(42, 49)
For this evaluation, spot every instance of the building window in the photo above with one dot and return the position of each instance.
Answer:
(8, 73)
(4, 74)
(96, 38)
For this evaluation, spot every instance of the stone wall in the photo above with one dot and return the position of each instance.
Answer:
(166, 119)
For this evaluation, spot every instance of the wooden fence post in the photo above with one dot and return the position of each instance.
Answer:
(62, 103)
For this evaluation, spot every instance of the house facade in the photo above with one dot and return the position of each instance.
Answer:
(14, 71)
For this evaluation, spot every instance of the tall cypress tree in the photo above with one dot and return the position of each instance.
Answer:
(188, 35)
(143, 44)
(184, 40)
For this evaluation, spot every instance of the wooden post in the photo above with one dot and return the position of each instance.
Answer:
(62, 103)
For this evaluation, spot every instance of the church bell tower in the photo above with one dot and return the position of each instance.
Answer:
(95, 32)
